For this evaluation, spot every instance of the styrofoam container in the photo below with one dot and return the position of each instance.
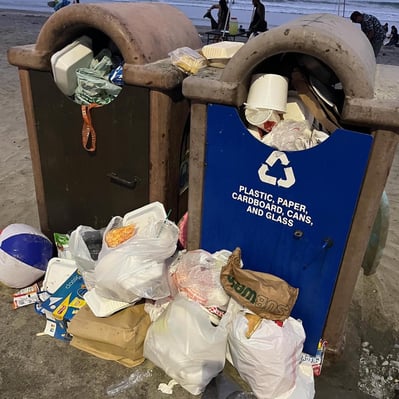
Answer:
(145, 215)
(65, 62)
(58, 271)
(101, 306)
(221, 50)
(268, 91)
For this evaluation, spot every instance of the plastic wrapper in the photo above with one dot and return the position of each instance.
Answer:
(188, 60)
(290, 135)
(93, 84)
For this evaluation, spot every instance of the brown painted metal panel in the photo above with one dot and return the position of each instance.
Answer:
(76, 184)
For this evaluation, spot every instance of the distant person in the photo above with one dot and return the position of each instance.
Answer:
(372, 28)
(258, 21)
(58, 4)
(393, 37)
(386, 27)
(223, 15)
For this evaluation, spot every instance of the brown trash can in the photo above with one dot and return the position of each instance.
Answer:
(141, 135)
(369, 103)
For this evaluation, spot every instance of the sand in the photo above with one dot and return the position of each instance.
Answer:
(370, 365)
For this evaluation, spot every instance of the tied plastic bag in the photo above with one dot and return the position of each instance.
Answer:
(268, 361)
(184, 343)
(196, 274)
(136, 269)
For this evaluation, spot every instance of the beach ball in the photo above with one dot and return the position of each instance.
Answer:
(24, 255)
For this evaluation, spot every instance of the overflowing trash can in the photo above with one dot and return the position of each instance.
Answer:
(93, 161)
(299, 207)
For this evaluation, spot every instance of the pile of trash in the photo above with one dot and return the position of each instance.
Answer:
(130, 291)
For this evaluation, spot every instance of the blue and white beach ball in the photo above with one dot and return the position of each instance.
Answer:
(24, 255)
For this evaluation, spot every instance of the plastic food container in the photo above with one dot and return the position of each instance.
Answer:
(65, 62)
(188, 60)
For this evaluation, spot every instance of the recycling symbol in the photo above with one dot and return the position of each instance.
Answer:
(270, 161)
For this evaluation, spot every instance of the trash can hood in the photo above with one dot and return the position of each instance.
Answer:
(143, 32)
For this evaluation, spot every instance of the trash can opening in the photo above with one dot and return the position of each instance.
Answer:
(294, 102)
(88, 70)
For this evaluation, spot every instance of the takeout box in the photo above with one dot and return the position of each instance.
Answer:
(65, 62)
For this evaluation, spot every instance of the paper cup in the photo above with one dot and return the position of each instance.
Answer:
(268, 91)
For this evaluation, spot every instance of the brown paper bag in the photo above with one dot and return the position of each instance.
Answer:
(119, 337)
(266, 295)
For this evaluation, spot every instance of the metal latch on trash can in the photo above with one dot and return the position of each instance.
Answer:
(123, 182)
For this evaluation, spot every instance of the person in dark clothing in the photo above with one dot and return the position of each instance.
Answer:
(223, 16)
(393, 37)
(372, 28)
(258, 21)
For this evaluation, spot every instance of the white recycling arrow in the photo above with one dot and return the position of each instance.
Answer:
(270, 161)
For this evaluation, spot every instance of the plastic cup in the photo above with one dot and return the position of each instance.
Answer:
(265, 119)
(269, 92)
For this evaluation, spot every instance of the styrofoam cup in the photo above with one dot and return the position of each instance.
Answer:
(268, 91)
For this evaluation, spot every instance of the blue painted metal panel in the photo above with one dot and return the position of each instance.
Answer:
(289, 212)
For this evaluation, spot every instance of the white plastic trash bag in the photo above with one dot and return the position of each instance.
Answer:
(84, 246)
(136, 269)
(304, 386)
(184, 343)
(268, 361)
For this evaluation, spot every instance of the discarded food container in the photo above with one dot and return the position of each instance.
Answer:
(245, 193)
(65, 62)
(139, 138)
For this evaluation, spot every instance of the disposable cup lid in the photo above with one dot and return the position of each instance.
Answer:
(257, 116)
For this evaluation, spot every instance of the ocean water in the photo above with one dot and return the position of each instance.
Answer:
(277, 11)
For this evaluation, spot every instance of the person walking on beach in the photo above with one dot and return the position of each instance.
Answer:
(258, 21)
(372, 28)
(222, 22)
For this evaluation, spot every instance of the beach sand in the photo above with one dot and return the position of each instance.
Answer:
(370, 363)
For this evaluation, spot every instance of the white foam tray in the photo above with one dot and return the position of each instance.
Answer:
(145, 215)
(58, 271)
(221, 50)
